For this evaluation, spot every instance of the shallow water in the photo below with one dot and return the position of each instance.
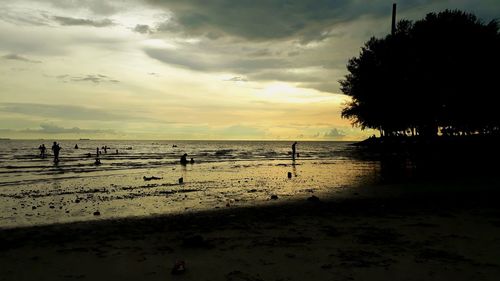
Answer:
(225, 174)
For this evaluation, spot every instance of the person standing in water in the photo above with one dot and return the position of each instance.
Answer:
(293, 150)
(56, 148)
(97, 160)
(42, 151)
(184, 159)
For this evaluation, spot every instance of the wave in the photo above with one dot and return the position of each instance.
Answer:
(20, 162)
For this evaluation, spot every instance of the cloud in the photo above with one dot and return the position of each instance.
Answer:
(285, 75)
(54, 129)
(23, 15)
(262, 20)
(99, 7)
(237, 79)
(334, 134)
(261, 53)
(143, 28)
(20, 58)
(306, 72)
(213, 62)
(68, 112)
(94, 78)
(86, 22)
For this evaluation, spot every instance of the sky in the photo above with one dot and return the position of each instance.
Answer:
(189, 69)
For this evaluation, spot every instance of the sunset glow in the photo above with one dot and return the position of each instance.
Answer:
(142, 69)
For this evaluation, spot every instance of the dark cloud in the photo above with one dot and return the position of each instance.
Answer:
(325, 85)
(68, 112)
(143, 28)
(213, 62)
(183, 59)
(273, 68)
(261, 53)
(286, 76)
(19, 57)
(94, 78)
(86, 22)
(268, 19)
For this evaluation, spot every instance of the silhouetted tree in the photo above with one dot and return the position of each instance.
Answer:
(440, 72)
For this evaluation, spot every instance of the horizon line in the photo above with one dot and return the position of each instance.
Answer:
(90, 139)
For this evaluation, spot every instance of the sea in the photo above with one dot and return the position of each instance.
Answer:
(145, 178)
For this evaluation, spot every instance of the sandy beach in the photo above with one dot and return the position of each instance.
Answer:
(368, 235)
(327, 216)
(34, 191)
(249, 140)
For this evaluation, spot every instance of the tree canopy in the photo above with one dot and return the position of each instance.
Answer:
(439, 73)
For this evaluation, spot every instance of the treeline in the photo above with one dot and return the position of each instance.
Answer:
(438, 75)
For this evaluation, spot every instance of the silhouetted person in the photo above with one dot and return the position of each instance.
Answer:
(42, 149)
(97, 152)
(97, 161)
(105, 149)
(56, 148)
(183, 159)
(76, 146)
(192, 161)
(116, 151)
(293, 150)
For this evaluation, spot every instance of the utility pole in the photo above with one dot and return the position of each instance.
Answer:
(393, 27)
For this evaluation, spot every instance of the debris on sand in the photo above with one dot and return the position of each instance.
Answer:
(196, 241)
(313, 199)
(151, 178)
(179, 267)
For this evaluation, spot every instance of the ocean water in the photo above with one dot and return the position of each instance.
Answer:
(21, 164)
(226, 174)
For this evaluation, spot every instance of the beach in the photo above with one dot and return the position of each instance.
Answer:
(249, 140)
(338, 215)
(35, 191)
(367, 236)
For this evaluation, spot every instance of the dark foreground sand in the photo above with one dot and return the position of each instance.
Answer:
(420, 237)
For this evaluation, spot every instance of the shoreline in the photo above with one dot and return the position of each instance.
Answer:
(205, 186)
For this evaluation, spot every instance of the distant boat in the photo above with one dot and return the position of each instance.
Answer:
(84, 139)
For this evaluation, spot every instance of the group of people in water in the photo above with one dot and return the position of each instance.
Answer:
(56, 148)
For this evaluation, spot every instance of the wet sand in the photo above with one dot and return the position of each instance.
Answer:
(73, 197)
(382, 235)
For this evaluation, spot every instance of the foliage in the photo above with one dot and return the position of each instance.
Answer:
(438, 73)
